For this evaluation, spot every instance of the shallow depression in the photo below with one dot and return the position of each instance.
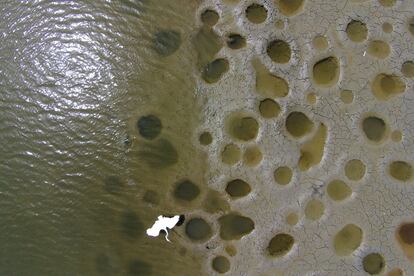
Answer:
(234, 226)
(347, 240)
(326, 71)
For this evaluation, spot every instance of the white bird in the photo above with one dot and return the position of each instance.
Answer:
(163, 223)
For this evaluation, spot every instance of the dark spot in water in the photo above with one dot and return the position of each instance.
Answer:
(214, 70)
(139, 268)
(131, 225)
(103, 265)
(197, 229)
(149, 126)
(186, 190)
(152, 197)
(113, 184)
(159, 154)
(167, 42)
(182, 251)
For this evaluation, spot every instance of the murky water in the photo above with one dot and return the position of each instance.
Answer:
(78, 183)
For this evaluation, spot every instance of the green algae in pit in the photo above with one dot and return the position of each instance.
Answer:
(256, 13)
(290, 7)
(283, 175)
(298, 124)
(374, 129)
(279, 51)
(292, 219)
(149, 126)
(231, 154)
(236, 41)
(314, 209)
(338, 190)
(231, 250)
(234, 226)
(269, 108)
(405, 238)
(238, 188)
(386, 86)
(210, 17)
(280, 245)
(252, 156)
(243, 128)
(411, 26)
(267, 84)
(326, 71)
(159, 154)
(320, 43)
(407, 69)
(312, 151)
(355, 169)
(197, 229)
(373, 263)
(113, 185)
(311, 98)
(221, 264)
(387, 27)
(387, 3)
(406, 233)
(205, 138)
(347, 240)
(401, 170)
(186, 191)
(347, 96)
(357, 31)
(396, 136)
(214, 70)
(378, 49)
(166, 42)
(280, 24)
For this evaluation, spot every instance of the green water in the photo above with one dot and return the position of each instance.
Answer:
(78, 183)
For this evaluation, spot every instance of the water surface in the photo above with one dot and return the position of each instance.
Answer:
(79, 184)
